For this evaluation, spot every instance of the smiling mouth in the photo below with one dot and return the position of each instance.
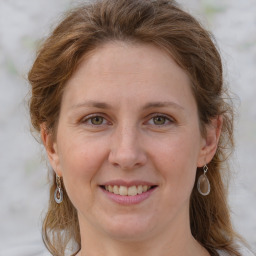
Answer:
(127, 191)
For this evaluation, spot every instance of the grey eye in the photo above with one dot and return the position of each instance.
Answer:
(159, 120)
(97, 120)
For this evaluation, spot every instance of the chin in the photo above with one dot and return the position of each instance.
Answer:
(129, 229)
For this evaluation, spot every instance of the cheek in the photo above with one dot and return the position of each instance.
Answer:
(80, 160)
(176, 159)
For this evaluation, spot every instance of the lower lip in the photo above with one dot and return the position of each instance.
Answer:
(128, 200)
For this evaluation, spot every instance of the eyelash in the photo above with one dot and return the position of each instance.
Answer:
(166, 118)
(88, 120)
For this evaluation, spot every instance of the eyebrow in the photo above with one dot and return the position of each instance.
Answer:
(92, 103)
(161, 104)
(103, 105)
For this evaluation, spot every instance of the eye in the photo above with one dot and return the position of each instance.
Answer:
(94, 120)
(160, 120)
(97, 120)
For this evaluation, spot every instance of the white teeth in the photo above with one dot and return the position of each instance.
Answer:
(140, 189)
(116, 190)
(123, 191)
(110, 189)
(144, 188)
(132, 191)
(127, 191)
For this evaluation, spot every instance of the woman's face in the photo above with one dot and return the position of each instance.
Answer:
(128, 142)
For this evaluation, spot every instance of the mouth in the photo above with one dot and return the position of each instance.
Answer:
(127, 191)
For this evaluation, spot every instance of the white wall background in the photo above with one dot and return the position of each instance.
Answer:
(23, 183)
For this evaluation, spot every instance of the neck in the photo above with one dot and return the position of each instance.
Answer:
(138, 249)
(178, 241)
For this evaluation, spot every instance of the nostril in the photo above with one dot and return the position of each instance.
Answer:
(127, 157)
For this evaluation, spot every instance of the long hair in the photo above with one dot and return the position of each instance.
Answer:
(165, 25)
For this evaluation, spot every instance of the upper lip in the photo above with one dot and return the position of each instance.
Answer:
(128, 183)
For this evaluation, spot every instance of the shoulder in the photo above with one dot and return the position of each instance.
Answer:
(243, 250)
(246, 252)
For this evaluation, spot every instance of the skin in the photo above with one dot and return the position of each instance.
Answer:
(133, 138)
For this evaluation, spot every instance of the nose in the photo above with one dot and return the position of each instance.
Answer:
(126, 150)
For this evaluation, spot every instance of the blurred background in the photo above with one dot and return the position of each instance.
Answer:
(23, 171)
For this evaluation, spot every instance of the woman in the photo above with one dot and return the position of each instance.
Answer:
(128, 98)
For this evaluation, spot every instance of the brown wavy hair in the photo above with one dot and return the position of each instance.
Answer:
(164, 24)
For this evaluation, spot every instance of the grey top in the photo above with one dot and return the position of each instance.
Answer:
(243, 250)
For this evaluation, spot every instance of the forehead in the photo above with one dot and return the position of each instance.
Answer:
(126, 70)
(126, 57)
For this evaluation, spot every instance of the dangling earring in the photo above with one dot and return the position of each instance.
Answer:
(58, 194)
(203, 184)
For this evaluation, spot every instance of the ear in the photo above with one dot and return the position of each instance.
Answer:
(51, 148)
(210, 141)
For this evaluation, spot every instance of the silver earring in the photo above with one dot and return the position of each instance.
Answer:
(58, 194)
(203, 184)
